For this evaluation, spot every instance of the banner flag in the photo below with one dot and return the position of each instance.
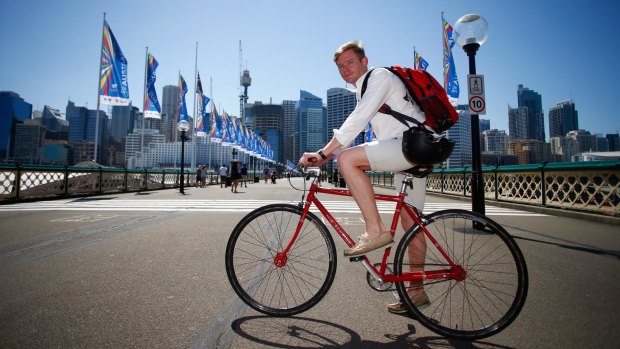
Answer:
(152, 109)
(450, 81)
(419, 62)
(181, 106)
(203, 101)
(225, 129)
(202, 116)
(216, 126)
(113, 86)
(292, 167)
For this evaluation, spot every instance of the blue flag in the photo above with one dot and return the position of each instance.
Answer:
(450, 82)
(152, 109)
(113, 86)
(181, 106)
(419, 62)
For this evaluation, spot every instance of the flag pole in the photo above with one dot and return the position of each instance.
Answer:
(443, 54)
(99, 88)
(195, 110)
(210, 136)
(146, 67)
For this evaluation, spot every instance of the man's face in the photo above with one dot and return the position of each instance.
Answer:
(351, 67)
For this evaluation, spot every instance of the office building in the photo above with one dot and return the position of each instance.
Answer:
(267, 120)
(340, 103)
(169, 105)
(54, 121)
(82, 125)
(13, 110)
(563, 118)
(484, 124)
(29, 142)
(563, 148)
(460, 133)
(586, 142)
(289, 135)
(518, 122)
(613, 141)
(124, 119)
(494, 141)
(311, 122)
(529, 151)
(134, 147)
(533, 102)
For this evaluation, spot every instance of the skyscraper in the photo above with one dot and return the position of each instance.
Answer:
(563, 119)
(289, 135)
(82, 133)
(340, 103)
(535, 115)
(461, 134)
(268, 121)
(518, 122)
(13, 110)
(311, 123)
(169, 111)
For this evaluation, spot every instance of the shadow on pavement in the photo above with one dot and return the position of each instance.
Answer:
(301, 332)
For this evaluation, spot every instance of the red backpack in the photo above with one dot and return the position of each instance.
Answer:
(427, 93)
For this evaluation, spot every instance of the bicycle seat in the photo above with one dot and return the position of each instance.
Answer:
(420, 171)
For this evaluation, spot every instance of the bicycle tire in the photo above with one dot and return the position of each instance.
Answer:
(301, 282)
(493, 290)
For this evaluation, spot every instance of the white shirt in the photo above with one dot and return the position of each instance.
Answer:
(383, 87)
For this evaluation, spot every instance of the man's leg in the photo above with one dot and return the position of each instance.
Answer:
(352, 163)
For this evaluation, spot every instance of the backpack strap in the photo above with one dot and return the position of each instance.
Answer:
(386, 109)
(365, 83)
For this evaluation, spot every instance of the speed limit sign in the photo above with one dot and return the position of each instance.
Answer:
(477, 105)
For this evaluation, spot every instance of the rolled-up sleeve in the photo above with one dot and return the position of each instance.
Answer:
(376, 94)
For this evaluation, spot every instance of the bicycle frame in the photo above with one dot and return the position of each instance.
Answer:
(453, 272)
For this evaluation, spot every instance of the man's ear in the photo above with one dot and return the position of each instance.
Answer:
(365, 61)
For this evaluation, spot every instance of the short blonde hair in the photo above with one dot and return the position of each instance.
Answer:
(354, 45)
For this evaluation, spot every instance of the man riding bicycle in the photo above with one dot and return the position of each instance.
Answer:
(384, 154)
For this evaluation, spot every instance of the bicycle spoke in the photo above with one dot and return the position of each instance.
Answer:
(489, 285)
(270, 281)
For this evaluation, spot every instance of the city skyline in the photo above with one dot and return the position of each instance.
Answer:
(54, 61)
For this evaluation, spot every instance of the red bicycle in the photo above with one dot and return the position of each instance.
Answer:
(281, 261)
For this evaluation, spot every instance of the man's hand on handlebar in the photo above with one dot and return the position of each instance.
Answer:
(311, 159)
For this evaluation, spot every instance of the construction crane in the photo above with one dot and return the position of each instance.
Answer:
(245, 81)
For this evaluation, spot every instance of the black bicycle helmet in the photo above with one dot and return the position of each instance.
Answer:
(420, 147)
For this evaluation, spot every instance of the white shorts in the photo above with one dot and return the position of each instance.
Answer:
(387, 155)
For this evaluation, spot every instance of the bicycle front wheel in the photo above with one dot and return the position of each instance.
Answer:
(269, 281)
(478, 296)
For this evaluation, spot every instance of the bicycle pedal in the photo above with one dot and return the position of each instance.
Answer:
(357, 258)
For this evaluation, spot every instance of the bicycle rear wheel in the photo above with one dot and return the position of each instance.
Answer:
(262, 278)
(477, 301)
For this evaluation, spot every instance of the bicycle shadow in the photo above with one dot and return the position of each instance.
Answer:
(302, 332)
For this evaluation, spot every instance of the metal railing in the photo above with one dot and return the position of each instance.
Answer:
(591, 186)
(18, 182)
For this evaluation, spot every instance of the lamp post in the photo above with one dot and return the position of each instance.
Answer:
(470, 32)
(183, 126)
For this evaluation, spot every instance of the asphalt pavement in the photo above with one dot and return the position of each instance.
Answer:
(146, 270)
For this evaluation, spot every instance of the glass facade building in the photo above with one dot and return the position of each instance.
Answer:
(13, 110)
(82, 125)
(536, 122)
(311, 122)
(563, 118)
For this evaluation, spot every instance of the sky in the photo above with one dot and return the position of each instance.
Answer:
(561, 49)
